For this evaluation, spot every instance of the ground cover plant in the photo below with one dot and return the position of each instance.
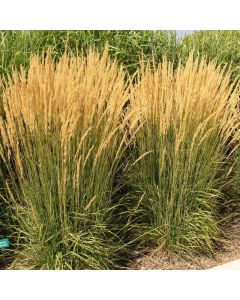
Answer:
(62, 140)
(190, 121)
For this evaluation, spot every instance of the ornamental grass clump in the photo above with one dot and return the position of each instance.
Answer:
(62, 139)
(190, 126)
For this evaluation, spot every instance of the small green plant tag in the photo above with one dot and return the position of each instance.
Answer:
(4, 243)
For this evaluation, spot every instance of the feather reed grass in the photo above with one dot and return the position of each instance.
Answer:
(190, 126)
(62, 139)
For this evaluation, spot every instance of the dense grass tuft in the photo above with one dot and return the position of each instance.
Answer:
(189, 119)
(222, 46)
(62, 142)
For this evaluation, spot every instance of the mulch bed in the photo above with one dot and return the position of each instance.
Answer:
(152, 259)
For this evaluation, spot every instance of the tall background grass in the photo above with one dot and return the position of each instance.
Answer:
(126, 46)
(221, 45)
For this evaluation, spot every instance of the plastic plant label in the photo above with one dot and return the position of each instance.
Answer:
(4, 243)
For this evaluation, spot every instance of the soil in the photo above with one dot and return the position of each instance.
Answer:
(152, 258)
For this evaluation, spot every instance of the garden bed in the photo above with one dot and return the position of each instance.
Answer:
(150, 259)
(111, 140)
